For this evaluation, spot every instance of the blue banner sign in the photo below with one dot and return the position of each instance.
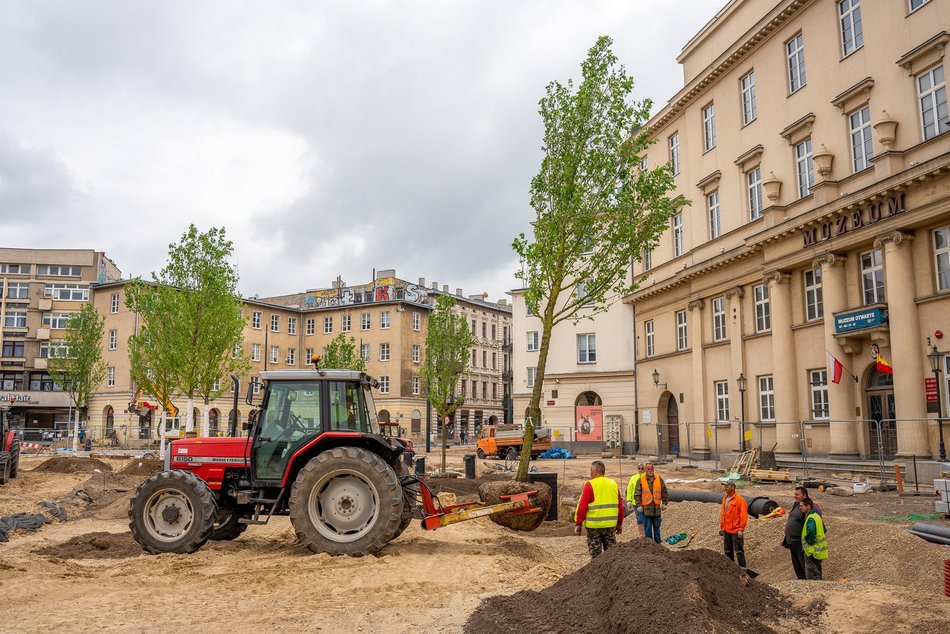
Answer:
(867, 318)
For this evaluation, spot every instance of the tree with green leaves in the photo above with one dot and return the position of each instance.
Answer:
(342, 354)
(448, 342)
(595, 210)
(78, 365)
(192, 322)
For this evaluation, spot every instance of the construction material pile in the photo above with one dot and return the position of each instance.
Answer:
(639, 586)
(493, 492)
(72, 464)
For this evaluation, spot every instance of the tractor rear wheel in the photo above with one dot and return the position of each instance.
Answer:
(172, 512)
(228, 525)
(4, 466)
(15, 458)
(347, 501)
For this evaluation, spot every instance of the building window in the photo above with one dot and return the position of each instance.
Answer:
(256, 352)
(647, 260)
(71, 292)
(678, 234)
(415, 386)
(364, 351)
(275, 323)
(712, 204)
(763, 311)
(416, 322)
(852, 35)
(236, 351)
(384, 352)
(384, 385)
(57, 270)
(11, 380)
(311, 326)
(256, 320)
(274, 354)
(709, 127)
(494, 390)
(17, 319)
(474, 327)
(114, 304)
(587, 348)
(872, 277)
(384, 319)
(463, 388)
(795, 52)
(580, 289)
(675, 153)
(805, 168)
(494, 332)
(484, 358)
(55, 321)
(532, 373)
(110, 377)
(416, 353)
(308, 356)
(47, 351)
(932, 89)
(682, 333)
(474, 358)
(916, 4)
(753, 180)
(346, 323)
(814, 304)
(291, 356)
(649, 335)
(113, 339)
(15, 269)
(942, 255)
(533, 341)
(484, 330)
(494, 360)
(364, 321)
(291, 325)
(749, 109)
(719, 319)
(722, 401)
(766, 398)
(18, 290)
(861, 149)
(818, 379)
(327, 325)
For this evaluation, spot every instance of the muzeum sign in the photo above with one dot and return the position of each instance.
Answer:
(869, 214)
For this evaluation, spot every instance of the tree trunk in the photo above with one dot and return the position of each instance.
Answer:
(76, 429)
(445, 439)
(161, 435)
(190, 415)
(534, 407)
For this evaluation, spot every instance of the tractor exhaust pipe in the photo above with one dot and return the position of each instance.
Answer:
(232, 424)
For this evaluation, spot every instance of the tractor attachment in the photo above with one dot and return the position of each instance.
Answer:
(436, 515)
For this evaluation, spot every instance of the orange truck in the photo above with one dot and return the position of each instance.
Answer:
(504, 441)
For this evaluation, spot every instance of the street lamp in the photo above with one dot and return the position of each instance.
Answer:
(656, 379)
(936, 359)
(741, 381)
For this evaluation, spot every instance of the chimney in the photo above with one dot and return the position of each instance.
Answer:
(445, 288)
(458, 292)
(502, 302)
(435, 286)
(422, 282)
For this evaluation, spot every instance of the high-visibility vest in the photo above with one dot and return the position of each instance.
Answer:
(818, 550)
(651, 497)
(602, 512)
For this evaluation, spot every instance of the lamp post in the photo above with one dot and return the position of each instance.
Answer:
(656, 379)
(741, 381)
(936, 359)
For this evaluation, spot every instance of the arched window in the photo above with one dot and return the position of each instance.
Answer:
(416, 421)
(587, 398)
(383, 416)
(213, 422)
(110, 421)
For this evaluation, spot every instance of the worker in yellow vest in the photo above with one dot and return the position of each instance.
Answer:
(600, 510)
(813, 540)
(631, 505)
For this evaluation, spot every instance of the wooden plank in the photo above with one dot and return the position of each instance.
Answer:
(775, 476)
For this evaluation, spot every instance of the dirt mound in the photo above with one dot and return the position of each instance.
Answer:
(695, 590)
(142, 467)
(98, 545)
(491, 492)
(72, 464)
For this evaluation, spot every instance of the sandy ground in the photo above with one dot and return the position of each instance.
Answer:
(880, 577)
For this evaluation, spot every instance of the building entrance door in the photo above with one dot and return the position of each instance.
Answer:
(882, 428)
(673, 426)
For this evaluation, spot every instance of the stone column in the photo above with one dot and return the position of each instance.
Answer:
(736, 359)
(906, 344)
(698, 438)
(784, 362)
(844, 431)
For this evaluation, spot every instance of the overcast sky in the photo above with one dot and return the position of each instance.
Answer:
(329, 138)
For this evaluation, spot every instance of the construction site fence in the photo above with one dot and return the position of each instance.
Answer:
(120, 437)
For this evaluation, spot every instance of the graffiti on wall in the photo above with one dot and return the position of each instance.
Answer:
(384, 291)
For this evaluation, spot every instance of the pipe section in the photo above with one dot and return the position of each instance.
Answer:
(759, 505)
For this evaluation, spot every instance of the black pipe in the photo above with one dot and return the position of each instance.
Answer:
(232, 424)
(930, 537)
(938, 530)
(759, 505)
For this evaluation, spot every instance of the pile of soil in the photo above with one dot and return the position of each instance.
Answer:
(462, 487)
(142, 467)
(695, 590)
(491, 492)
(98, 545)
(72, 464)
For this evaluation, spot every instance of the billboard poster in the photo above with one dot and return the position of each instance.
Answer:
(589, 426)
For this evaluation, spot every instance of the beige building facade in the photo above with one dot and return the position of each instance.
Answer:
(811, 137)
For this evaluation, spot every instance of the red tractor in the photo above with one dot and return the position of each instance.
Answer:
(9, 447)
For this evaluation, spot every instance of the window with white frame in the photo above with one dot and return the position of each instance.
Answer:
(416, 353)
(364, 321)
(861, 148)
(587, 348)
(531, 374)
(712, 205)
(327, 325)
(581, 291)
(274, 354)
(649, 335)
(852, 35)
(17, 319)
(15, 269)
(749, 107)
(533, 341)
(308, 356)
(55, 321)
(256, 386)
(766, 398)
(814, 304)
(256, 352)
(932, 93)
(416, 322)
(804, 168)
(753, 179)
(722, 401)
(291, 356)
(58, 270)
(942, 257)
(275, 323)
(364, 351)
(113, 339)
(415, 385)
(384, 352)
(47, 350)
(872, 277)
(256, 320)
(291, 325)
(346, 323)
(647, 260)
(719, 319)
(709, 127)
(682, 331)
(236, 351)
(114, 303)
(18, 290)
(678, 245)
(71, 292)
(311, 325)
(818, 380)
(675, 152)
(916, 4)
(795, 53)
(763, 309)
(110, 377)
(384, 384)
(385, 320)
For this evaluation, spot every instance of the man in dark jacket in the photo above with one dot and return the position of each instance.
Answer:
(793, 532)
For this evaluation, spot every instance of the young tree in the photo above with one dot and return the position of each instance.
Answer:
(448, 343)
(342, 354)
(595, 210)
(79, 366)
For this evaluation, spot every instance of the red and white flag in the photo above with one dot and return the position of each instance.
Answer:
(835, 368)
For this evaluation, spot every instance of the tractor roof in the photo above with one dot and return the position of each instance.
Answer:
(318, 375)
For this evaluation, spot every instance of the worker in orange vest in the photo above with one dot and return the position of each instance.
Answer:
(733, 518)
(651, 496)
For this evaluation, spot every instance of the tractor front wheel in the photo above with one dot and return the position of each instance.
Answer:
(347, 501)
(172, 512)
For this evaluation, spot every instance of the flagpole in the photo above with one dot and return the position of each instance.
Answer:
(846, 369)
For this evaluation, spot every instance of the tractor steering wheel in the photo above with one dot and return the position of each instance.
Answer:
(296, 423)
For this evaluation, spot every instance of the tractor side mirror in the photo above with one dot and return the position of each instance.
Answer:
(251, 418)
